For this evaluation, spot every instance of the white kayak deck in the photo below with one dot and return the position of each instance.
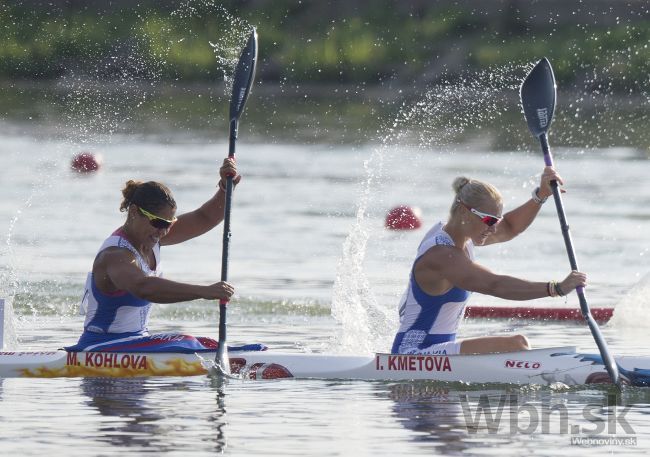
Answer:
(539, 366)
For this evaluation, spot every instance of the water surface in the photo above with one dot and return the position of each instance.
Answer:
(315, 271)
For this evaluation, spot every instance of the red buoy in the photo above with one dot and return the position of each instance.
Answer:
(404, 218)
(86, 162)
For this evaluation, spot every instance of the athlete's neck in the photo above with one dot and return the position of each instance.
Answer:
(456, 230)
(141, 245)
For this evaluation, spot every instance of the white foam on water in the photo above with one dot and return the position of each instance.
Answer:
(353, 305)
(631, 311)
(2, 324)
(8, 338)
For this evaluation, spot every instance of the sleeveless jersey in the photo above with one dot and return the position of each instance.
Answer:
(118, 322)
(119, 312)
(426, 320)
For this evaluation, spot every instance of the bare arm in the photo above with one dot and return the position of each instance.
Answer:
(514, 222)
(197, 222)
(117, 269)
(449, 266)
(209, 215)
(519, 219)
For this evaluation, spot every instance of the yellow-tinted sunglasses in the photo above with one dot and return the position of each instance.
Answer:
(157, 221)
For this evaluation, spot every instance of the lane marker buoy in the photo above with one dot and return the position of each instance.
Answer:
(86, 162)
(404, 217)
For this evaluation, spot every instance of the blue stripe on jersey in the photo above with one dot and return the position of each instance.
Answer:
(108, 306)
(424, 317)
(431, 306)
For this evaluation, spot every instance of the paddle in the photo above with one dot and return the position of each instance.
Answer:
(243, 80)
(538, 101)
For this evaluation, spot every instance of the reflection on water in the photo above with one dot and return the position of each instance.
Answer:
(460, 418)
(430, 410)
(124, 399)
(148, 416)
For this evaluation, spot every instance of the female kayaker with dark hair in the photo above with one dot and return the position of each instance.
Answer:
(126, 275)
(444, 272)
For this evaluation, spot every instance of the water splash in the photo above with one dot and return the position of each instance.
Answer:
(436, 123)
(97, 99)
(353, 304)
(9, 339)
(230, 34)
(13, 280)
(227, 47)
(634, 304)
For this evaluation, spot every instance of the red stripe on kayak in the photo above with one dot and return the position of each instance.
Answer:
(601, 315)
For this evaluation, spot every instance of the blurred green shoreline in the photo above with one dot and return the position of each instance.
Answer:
(87, 111)
(599, 45)
(416, 72)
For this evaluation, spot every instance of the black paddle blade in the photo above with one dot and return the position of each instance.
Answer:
(244, 75)
(538, 97)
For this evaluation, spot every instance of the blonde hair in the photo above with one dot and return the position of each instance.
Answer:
(473, 193)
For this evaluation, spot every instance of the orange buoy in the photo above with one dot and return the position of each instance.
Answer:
(86, 162)
(404, 218)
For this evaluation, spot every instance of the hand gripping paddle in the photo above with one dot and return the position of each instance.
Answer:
(538, 100)
(243, 80)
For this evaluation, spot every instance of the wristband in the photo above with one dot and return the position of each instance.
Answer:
(550, 289)
(536, 199)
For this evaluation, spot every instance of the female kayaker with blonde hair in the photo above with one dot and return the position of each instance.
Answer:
(126, 275)
(444, 272)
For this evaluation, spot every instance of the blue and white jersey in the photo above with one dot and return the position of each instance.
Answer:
(118, 322)
(121, 311)
(427, 320)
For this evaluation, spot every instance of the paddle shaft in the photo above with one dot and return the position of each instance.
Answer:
(225, 253)
(610, 364)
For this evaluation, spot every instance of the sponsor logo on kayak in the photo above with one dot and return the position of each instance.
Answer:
(258, 370)
(523, 364)
(542, 115)
(414, 363)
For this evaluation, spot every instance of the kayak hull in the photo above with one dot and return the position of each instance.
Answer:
(540, 366)
(55, 364)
